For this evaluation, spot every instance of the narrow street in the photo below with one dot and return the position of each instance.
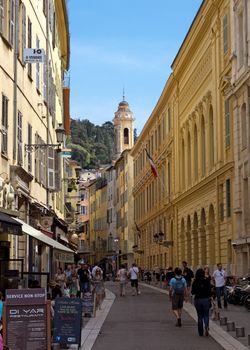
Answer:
(146, 322)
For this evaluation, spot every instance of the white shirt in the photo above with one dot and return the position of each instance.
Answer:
(133, 271)
(122, 274)
(219, 277)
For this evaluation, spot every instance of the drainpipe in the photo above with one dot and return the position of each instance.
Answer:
(47, 122)
(16, 51)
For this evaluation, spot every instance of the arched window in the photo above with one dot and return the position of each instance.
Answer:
(243, 126)
(183, 163)
(126, 136)
(203, 146)
(195, 153)
(211, 137)
(189, 159)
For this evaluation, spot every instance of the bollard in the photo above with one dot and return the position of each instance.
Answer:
(230, 326)
(248, 339)
(240, 332)
(223, 321)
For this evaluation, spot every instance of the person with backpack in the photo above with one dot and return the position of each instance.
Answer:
(201, 289)
(178, 291)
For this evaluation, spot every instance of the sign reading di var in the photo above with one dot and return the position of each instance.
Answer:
(33, 55)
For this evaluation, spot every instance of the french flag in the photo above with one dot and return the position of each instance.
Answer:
(152, 164)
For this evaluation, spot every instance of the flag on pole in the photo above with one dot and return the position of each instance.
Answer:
(152, 164)
(138, 230)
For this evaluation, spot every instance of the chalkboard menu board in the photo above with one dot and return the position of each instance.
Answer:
(67, 321)
(88, 304)
(27, 319)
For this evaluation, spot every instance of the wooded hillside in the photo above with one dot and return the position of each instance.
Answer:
(92, 145)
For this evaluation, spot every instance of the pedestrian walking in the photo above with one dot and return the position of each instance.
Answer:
(133, 273)
(99, 288)
(207, 273)
(219, 278)
(60, 278)
(123, 279)
(84, 278)
(201, 289)
(1, 337)
(74, 285)
(178, 290)
(169, 275)
(1, 305)
(188, 275)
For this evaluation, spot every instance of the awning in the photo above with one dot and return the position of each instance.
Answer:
(9, 225)
(31, 231)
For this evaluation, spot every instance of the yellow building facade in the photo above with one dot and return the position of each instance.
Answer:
(124, 205)
(98, 233)
(185, 213)
(31, 110)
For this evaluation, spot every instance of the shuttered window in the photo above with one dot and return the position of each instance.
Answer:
(29, 45)
(29, 143)
(51, 173)
(19, 138)
(11, 22)
(1, 16)
(37, 66)
(228, 197)
(225, 34)
(227, 124)
(5, 102)
(22, 31)
(57, 169)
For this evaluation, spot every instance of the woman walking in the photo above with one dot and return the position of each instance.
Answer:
(201, 289)
(99, 288)
(123, 278)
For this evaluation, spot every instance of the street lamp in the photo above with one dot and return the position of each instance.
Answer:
(158, 237)
(59, 137)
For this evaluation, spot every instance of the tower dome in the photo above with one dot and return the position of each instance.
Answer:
(124, 131)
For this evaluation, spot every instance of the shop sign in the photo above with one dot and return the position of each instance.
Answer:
(26, 319)
(25, 296)
(66, 153)
(63, 256)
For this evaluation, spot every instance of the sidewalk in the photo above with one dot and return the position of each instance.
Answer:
(227, 340)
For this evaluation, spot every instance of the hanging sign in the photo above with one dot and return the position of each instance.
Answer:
(33, 55)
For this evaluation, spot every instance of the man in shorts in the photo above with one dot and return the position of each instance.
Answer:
(133, 273)
(178, 291)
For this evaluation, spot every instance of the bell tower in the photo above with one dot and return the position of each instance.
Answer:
(124, 130)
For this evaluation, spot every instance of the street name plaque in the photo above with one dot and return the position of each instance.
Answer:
(26, 319)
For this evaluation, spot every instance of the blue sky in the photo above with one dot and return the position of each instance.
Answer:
(130, 44)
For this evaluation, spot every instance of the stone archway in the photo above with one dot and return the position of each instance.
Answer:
(188, 241)
(202, 239)
(195, 242)
(211, 236)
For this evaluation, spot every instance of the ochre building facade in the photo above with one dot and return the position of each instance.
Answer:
(186, 212)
